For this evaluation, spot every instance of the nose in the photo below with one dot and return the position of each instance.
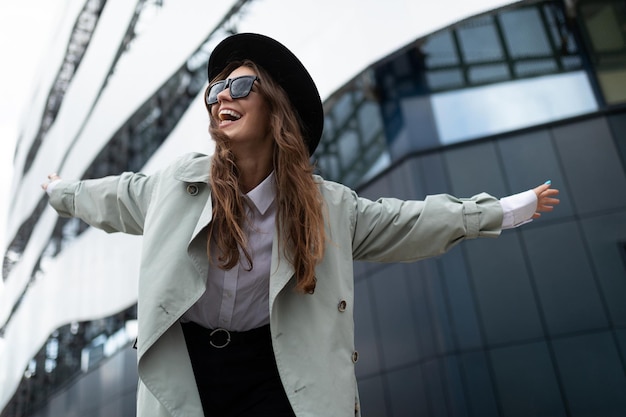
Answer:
(224, 94)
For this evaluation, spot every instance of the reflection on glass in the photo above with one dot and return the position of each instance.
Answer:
(479, 40)
(440, 50)
(488, 73)
(604, 27)
(524, 33)
(492, 109)
(537, 67)
(613, 83)
(444, 79)
(605, 32)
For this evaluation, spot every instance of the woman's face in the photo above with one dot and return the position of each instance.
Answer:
(246, 121)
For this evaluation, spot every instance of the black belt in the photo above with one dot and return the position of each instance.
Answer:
(220, 338)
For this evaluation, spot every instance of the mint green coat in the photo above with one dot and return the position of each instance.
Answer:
(312, 335)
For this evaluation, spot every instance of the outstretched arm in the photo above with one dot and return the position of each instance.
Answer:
(114, 204)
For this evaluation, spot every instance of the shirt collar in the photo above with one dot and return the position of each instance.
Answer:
(262, 196)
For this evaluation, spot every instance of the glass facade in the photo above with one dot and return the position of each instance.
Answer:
(530, 324)
(533, 323)
(507, 70)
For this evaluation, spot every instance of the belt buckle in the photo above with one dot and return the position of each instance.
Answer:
(215, 332)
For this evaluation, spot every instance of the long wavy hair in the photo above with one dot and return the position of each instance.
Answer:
(300, 208)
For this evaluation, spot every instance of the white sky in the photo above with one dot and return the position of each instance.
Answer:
(27, 27)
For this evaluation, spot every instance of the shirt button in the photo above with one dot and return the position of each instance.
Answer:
(342, 306)
(355, 356)
(192, 189)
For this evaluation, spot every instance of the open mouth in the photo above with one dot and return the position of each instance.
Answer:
(228, 115)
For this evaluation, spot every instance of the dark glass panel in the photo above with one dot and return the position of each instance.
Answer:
(479, 40)
(524, 33)
(440, 50)
(526, 381)
(444, 79)
(407, 390)
(371, 393)
(590, 160)
(504, 294)
(479, 384)
(391, 295)
(593, 375)
(535, 67)
(480, 74)
(605, 236)
(366, 339)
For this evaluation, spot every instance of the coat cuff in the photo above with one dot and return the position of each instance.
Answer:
(61, 196)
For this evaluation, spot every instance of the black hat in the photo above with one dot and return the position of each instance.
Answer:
(286, 70)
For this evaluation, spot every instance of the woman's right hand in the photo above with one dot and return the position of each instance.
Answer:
(51, 178)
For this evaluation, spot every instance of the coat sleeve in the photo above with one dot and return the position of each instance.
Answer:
(392, 230)
(113, 204)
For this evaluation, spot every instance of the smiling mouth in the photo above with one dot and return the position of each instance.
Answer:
(227, 115)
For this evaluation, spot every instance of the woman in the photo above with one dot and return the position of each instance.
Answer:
(246, 286)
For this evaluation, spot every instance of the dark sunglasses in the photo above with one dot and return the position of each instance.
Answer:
(239, 87)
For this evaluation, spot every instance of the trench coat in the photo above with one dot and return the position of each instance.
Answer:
(312, 334)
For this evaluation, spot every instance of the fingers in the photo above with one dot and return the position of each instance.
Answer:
(546, 198)
(545, 188)
(545, 207)
(548, 201)
(544, 191)
(549, 192)
(549, 196)
(51, 177)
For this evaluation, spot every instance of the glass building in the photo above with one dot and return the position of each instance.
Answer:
(530, 324)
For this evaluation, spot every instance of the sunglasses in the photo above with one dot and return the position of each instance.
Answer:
(239, 87)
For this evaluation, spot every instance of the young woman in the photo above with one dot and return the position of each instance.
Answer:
(246, 286)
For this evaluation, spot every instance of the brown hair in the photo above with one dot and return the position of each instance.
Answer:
(300, 216)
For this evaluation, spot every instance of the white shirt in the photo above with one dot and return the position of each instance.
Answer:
(238, 299)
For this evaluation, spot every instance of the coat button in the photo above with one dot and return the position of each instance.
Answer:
(355, 356)
(192, 189)
(342, 306)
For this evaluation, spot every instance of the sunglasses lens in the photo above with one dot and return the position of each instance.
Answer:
(240, 87)
(218, 87)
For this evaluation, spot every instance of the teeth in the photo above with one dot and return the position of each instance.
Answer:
(227, 114)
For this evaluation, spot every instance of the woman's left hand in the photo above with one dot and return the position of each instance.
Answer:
(545, 199)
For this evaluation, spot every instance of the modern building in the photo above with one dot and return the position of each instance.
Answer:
(530, 324)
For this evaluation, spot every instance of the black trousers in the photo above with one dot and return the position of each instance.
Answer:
(239, 379)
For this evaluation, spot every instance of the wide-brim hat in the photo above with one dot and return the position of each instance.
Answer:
(286, 70)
